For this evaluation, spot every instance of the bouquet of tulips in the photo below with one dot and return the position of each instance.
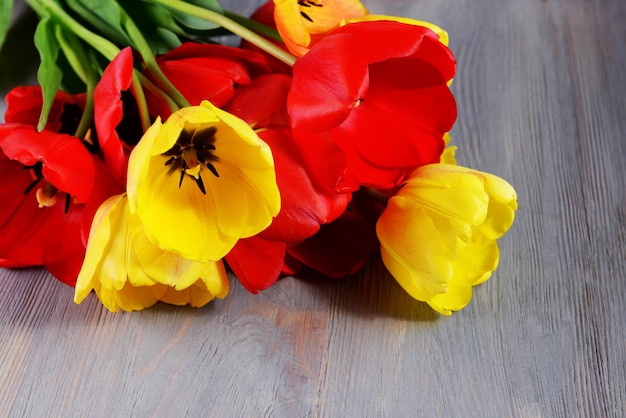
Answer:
(153, 156)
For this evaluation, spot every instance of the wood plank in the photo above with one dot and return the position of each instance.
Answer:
(540, 91)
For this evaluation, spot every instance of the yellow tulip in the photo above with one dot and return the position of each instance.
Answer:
(201, 181)
(128, 272)
(438, 233)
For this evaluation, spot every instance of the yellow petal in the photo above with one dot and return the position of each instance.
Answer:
(448, 155)
(200, 292)
(101, 238)
(397, 236)
(456, 298)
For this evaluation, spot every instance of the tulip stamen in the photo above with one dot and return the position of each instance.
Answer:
(36, 173)
(47, 195)
(309, 3)
(306, 16)
(192, 151)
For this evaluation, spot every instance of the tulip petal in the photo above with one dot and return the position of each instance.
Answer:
(327, 82)
(257, 262)
(341, 247)
(66, 162)
(408, 40)
(108, 111)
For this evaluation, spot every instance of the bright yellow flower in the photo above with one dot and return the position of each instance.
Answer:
(302, 22)
(438, 234)
(443, 35)
(201, 181)
(128, 272)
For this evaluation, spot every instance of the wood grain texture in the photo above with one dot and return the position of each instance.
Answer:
(541, 97)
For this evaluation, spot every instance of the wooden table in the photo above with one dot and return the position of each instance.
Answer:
(541, 90)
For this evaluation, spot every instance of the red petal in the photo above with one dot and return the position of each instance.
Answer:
(383, 40)
(343, 246)
(108, 111)
(24, 106)
(66, 162)
(11, 192)
(104, 188)
(327, 82)
(209, 72)
(304, 205)
(198, 82)
(326, 161)
(254, 62)
(23, 237)
(269, 89)
(64, 250)
(291, 266)
(256, 262)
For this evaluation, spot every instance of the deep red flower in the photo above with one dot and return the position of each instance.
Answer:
(207, 72)
(55, 186)
(59, 173)
(375, 92)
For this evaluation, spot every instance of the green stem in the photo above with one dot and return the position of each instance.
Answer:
(232, 26)
(87, 117)
(75, 53)
(56, 12)
(141, 45)
(140, 99)
(254, 26)
(152, 88)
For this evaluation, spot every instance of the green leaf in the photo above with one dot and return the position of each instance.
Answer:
(48, 74)
(194, 22)
(105, 16)
(157, 24)
(6, 7)
(152, 16)
(162, 40)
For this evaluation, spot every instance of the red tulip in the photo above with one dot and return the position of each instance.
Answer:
(55, 187)
(52, 177)
(376, 93)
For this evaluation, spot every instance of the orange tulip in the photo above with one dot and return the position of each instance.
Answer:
(302, 23)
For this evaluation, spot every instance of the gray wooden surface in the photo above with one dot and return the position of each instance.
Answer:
(541, 93)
